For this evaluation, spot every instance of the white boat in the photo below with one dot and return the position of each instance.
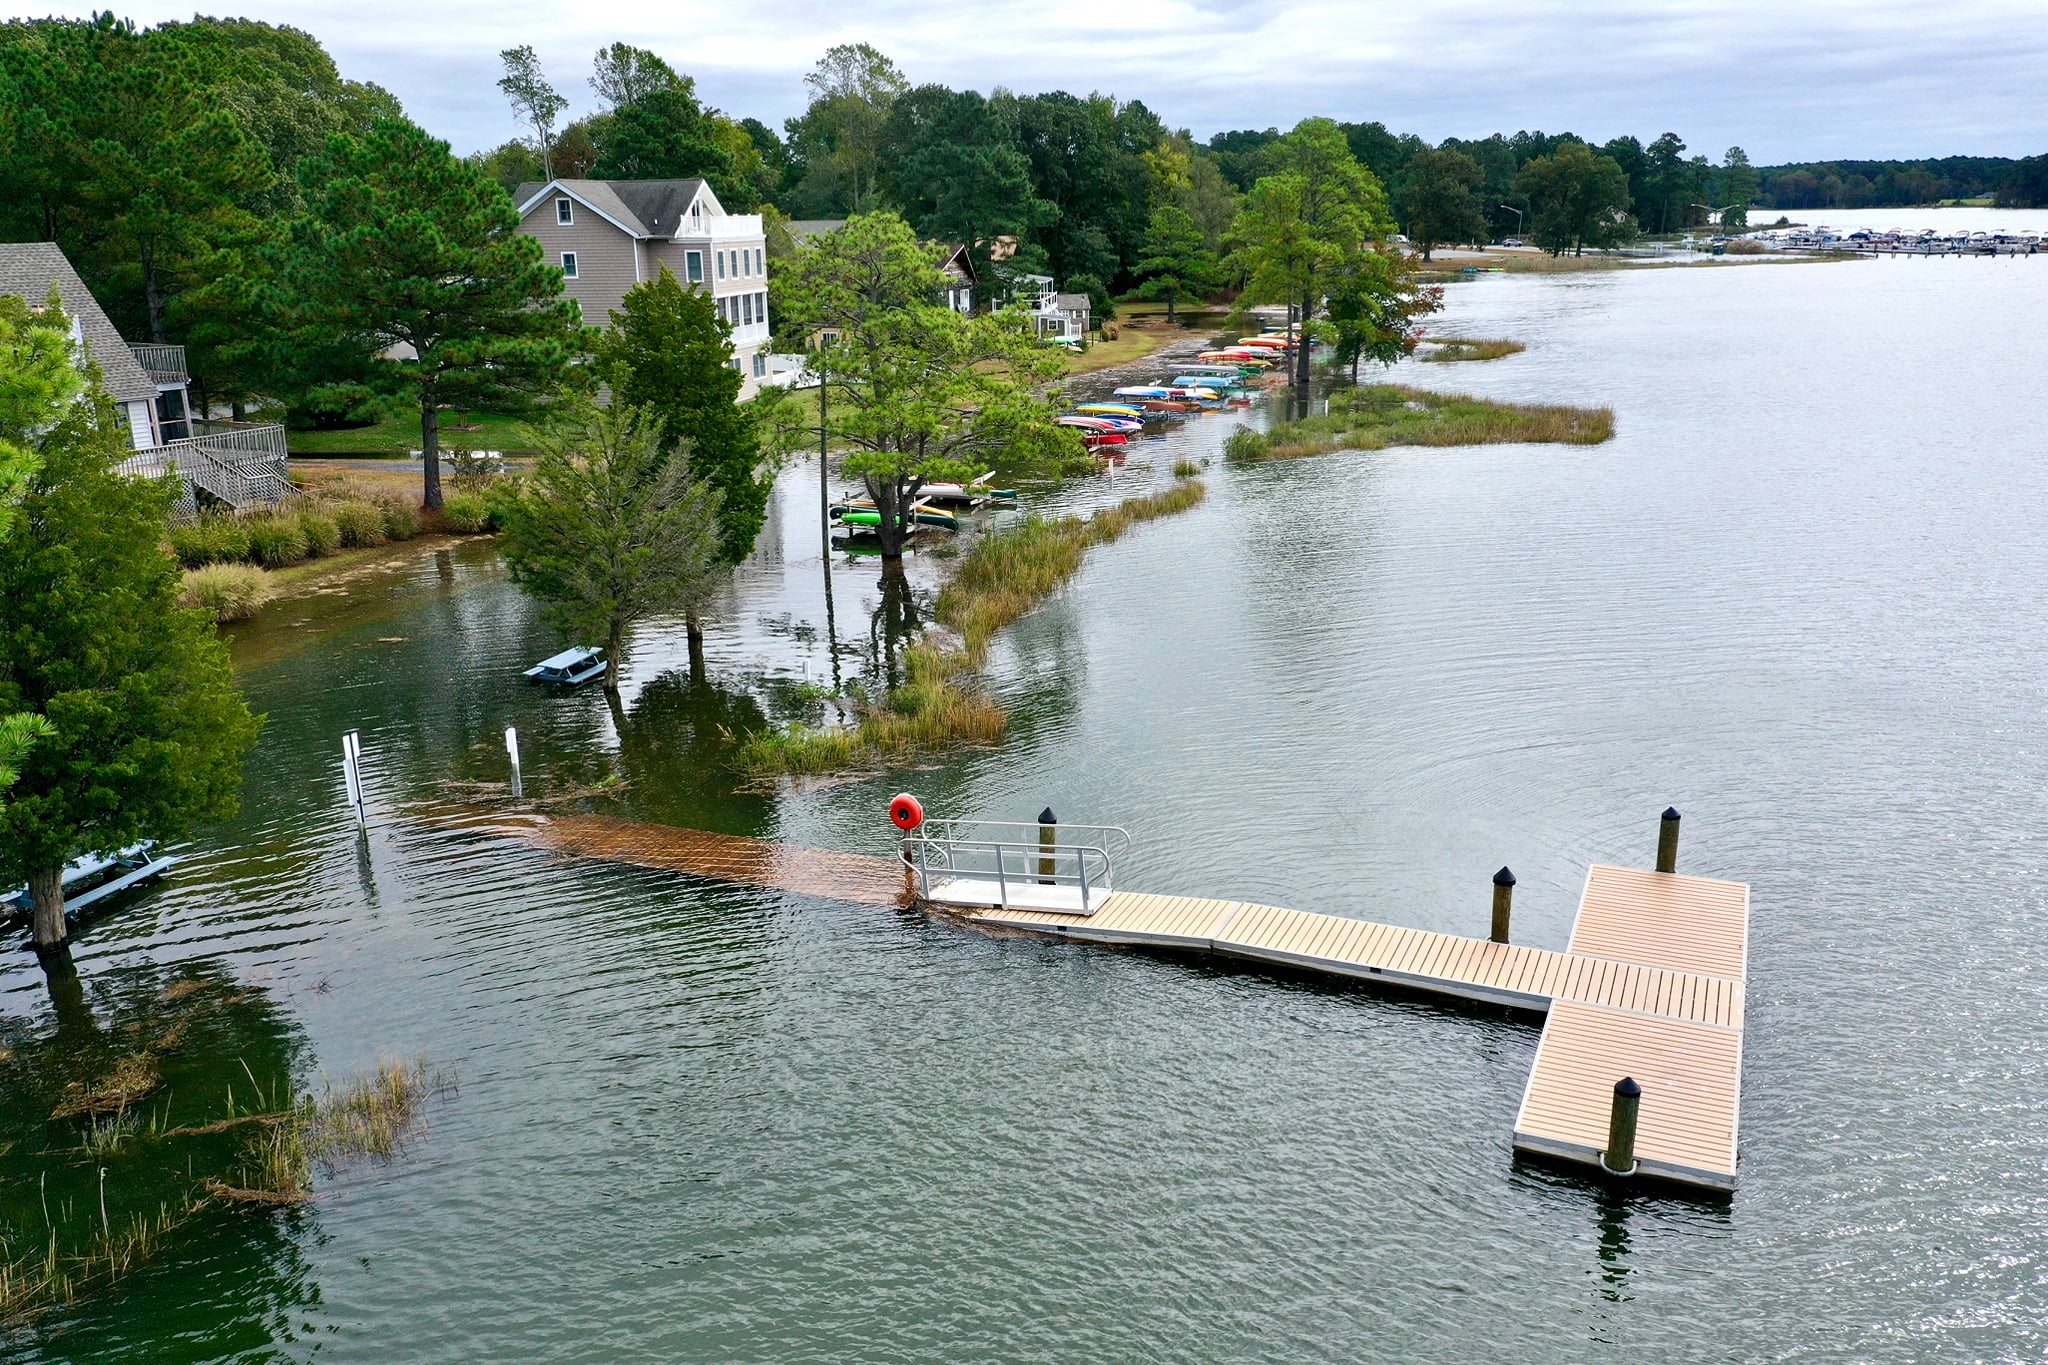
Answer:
(99, 875)
(570, 668)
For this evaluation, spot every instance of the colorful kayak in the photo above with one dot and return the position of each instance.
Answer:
(1110, 410)
(862, 512)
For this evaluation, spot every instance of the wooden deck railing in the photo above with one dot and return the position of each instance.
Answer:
(237, 463)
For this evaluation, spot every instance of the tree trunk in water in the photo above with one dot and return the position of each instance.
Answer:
(614, 641)
(892, 509)
(1170, 293)
(694, 629)
(430, 445)
(1301, 350)
(46, 893)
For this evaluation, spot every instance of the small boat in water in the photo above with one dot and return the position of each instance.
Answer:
(863, 512)
(98, 876)
(570, 668)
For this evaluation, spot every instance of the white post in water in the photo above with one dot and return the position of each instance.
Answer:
(352, 775)
(512, 748)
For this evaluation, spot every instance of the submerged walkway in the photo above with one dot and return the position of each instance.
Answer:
(1650, 986)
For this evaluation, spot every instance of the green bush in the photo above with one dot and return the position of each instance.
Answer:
(360, 523)
(401, 519)
(210, 540)
(468, 513)
(275, 541)
(323, 536)
(226, 592)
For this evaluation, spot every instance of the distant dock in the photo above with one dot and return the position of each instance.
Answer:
(1649, 990)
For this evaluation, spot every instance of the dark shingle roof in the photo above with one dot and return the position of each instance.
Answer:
(28, 269)
(656, 205)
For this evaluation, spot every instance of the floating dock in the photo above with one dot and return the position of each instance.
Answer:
(1649, 987)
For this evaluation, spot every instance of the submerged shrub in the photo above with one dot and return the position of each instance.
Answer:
(275, 541)
(323, 537)
(468, 513)
(361, 523)
(401, 518)
(226, 592)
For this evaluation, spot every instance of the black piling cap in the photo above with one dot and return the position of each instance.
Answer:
(1503, 878)
(1627, 1088)
(1046, 817)
(1671, 812)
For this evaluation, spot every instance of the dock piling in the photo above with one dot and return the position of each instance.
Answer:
(512, 749)
(1667, 841)
(1620, 1156)
(352, 777)
(1503, 903)
(1047, 837)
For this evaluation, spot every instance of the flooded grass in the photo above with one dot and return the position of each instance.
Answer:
(941, 703)
(1450, 350)
(81, 1250)
(1382, 415)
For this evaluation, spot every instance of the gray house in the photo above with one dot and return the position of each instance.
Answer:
(229, 463)
(608, 235)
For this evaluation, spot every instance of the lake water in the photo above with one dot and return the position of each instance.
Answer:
(1798, 596)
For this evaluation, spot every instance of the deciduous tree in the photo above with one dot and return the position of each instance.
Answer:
(1304, 224)
(917, 392)
(611, 526)
(1579, 197)
(1440, 199)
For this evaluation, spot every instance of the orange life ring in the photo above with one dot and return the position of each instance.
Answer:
(905, 813)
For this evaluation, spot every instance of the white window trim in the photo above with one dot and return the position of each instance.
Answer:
(721, 264)
(569, 265)
(693, 273)
(565, 210)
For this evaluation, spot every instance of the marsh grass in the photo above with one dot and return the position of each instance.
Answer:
(226, 592)
(1449, 350)
(1382, 415)
(941, 702)
(289, 1135)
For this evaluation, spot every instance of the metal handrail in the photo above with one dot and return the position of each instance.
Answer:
(1113, 837)
(936, 846)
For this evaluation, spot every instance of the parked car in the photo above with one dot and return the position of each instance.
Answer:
(1512, 241)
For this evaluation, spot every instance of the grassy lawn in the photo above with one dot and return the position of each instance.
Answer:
(400, 436)
(1135, 343)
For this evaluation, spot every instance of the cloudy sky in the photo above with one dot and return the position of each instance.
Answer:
(1785, 79)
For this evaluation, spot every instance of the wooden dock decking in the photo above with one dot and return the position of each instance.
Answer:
(1651, 984)
(1651, 987)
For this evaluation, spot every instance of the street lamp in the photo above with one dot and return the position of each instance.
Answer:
(1518, 217)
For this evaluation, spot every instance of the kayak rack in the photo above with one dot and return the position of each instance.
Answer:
(1014, 865)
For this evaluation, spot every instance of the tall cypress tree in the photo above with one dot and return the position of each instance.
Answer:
(669, 354)
(409, 262)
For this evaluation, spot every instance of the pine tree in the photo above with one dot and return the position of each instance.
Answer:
(145, 730)
(1177, 258)
(409, 272)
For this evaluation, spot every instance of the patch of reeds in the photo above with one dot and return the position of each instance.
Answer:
(287, 1137)
(1381, 415)
(941, 702)
(226, 592)
(1452, 349)
(1185, 469)
(131, 1078)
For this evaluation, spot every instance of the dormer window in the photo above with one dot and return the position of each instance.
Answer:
(565, 210)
